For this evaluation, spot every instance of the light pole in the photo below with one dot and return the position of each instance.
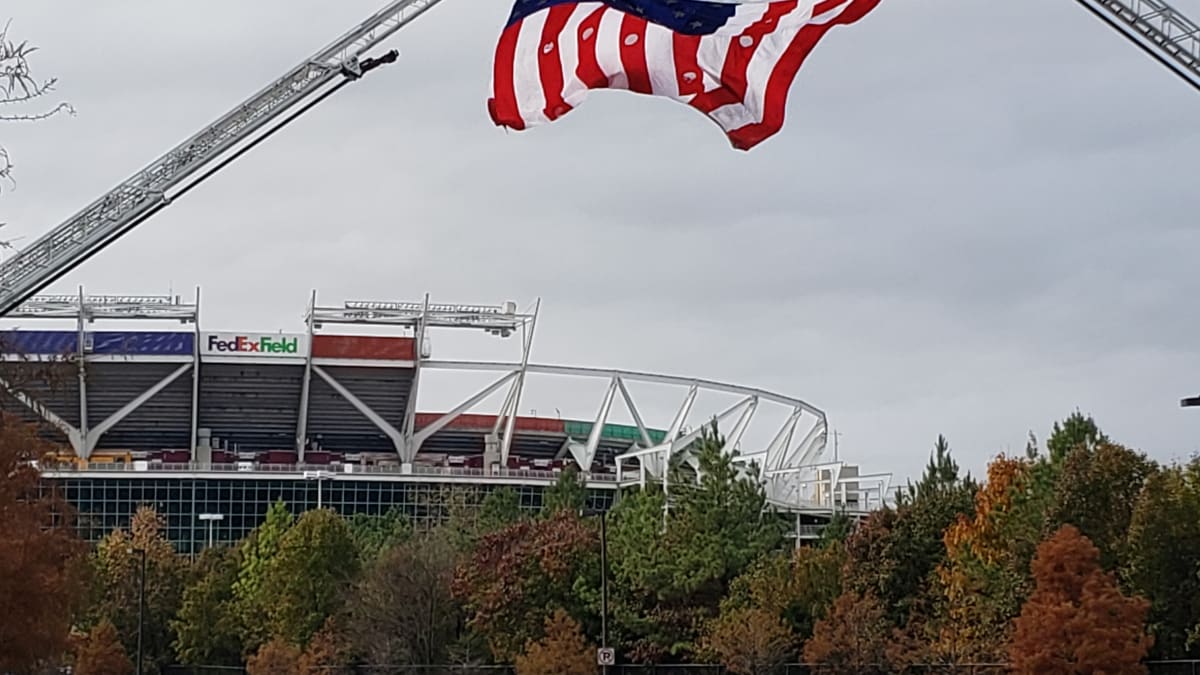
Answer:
(141, 603)
(211, 518)
(603, 577)
(318, 476)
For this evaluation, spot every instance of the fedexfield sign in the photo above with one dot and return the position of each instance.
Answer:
(254, 344)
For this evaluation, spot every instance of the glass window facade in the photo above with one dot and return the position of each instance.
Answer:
(104, 504)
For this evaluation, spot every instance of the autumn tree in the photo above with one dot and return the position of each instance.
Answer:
(749, 641)
(116, 585)
(1164, 556)
(327, 652)
(401, 612)
(563, 649)
(101, 653)
(1096, 491)
(797, 587)
(853, 639)
(308, 577)
(1077, 620)
(39, 591)
(207, 628)
(277, 656)
(525, 572)
(985, 577)
(894, 553)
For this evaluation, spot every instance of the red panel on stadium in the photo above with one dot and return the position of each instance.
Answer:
(362, 347)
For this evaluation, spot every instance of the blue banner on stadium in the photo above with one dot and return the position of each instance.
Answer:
(38, 342)
(143, 343)
(63, 342)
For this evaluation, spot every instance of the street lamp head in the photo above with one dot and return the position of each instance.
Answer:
(1193, 402)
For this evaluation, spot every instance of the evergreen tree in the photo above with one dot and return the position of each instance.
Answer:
(1077, 431)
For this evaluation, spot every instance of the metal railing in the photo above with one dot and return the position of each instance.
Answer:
(347, 471)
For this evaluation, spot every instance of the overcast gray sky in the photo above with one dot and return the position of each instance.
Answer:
(978, 217)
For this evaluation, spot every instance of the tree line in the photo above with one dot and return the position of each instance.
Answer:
(1080, 557)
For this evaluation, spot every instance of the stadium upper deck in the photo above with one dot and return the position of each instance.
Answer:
(160, 403)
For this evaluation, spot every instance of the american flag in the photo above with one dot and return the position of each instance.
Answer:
(732, 60)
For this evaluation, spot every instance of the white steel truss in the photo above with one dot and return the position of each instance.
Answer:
(1158, 28)
(788, 464)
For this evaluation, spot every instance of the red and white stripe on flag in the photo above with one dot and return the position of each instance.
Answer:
(739, 75)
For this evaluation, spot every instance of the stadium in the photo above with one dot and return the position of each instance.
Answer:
(211, 427)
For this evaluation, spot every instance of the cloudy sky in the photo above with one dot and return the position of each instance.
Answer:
(978, 217)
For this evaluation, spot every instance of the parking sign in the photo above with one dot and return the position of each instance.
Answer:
(606, 656)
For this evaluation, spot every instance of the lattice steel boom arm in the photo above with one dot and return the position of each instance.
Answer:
(1159, 29)
(151, 189)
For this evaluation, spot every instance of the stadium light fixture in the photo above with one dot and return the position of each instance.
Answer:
(500, 320)
(211, 519)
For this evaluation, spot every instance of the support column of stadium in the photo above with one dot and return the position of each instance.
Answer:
(407, 452)
(81, 370)
(633, 410)
(519, 385)
(593, 441)
(195, 412)
(302, 417)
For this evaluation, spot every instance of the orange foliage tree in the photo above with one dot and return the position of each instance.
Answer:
(520, 574)
(1077, 620)
(101, 653)
(749, 641)
(854, 638)
(38, 589)
(983, 580)
(275, 657)
(563, 650)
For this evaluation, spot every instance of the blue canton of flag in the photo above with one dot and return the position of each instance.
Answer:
(687, 17)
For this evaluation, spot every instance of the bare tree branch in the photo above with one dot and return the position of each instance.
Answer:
(17, 84)
(19, 87)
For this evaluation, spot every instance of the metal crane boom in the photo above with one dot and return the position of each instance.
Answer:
(1158, 28)
(149, 190)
